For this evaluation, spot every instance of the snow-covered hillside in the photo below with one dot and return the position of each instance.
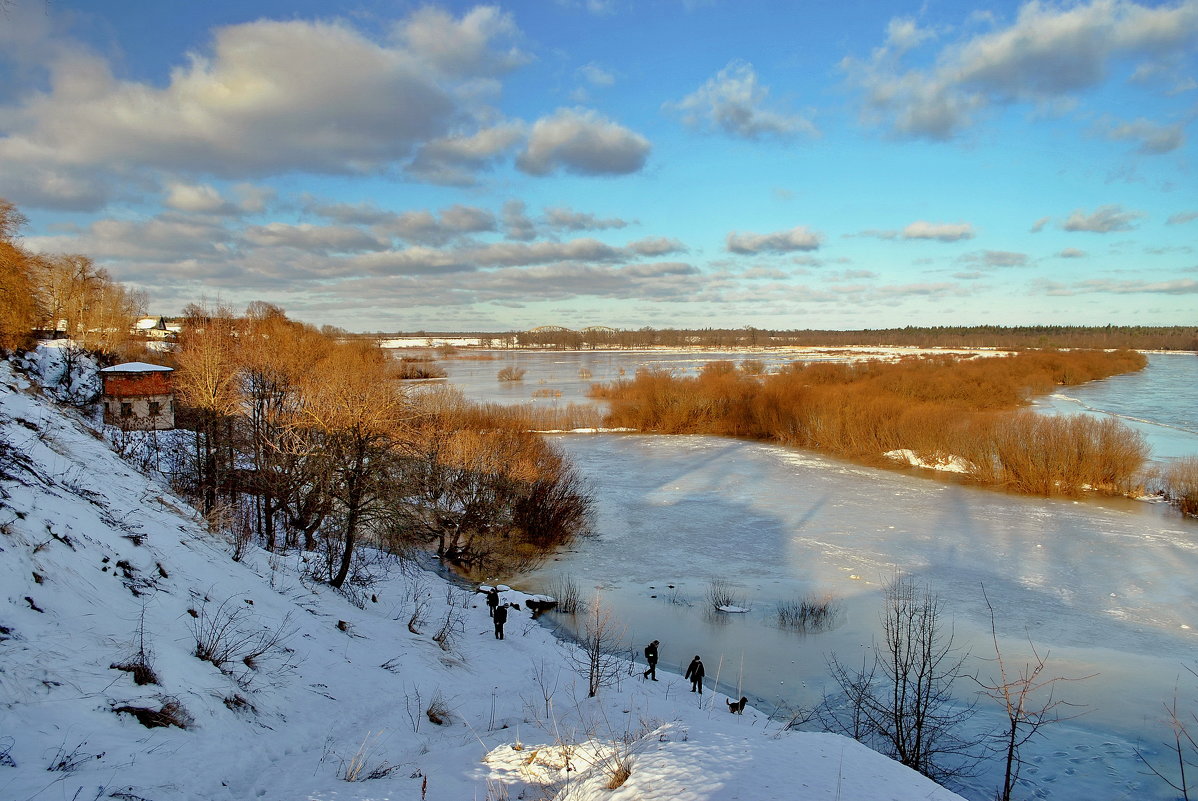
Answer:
(107, 578)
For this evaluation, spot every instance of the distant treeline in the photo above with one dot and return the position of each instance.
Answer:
(939, 407)
(1135, 337)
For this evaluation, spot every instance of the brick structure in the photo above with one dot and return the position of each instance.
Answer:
(139, 396)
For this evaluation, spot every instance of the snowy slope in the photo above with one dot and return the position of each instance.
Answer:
(101, 566)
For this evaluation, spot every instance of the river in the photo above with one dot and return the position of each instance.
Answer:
(1104, 588)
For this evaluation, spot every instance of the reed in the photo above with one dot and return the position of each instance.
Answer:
(938, 406)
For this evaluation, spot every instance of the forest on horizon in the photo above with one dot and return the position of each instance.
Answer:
(1134, 337)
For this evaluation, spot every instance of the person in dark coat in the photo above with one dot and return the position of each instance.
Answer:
(694, 672)
(500, 618)
(492, 601)
(651, 658)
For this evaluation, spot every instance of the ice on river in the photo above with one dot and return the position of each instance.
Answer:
(1105, 587)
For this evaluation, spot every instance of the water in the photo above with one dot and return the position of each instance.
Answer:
(1103, 587)
(1158, 401)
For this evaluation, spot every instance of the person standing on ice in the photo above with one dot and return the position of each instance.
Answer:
(694, 672)
(651, 658)
(492, 600)
(500, 616)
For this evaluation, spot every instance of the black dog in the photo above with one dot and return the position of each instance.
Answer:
(737, 707)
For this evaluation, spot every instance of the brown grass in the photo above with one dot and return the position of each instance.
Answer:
(935, 405)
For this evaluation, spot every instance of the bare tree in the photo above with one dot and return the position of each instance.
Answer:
(18, 308)
(357, 412)
(597, 657)
(901, 703)
(1021, 694)
(206, 382)
(1183, 748)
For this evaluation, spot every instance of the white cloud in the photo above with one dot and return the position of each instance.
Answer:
(1154, 138)
(314, 238)
(584, 142)
(596, 75)
(1071, 253)
(997, 258)
(733, 102)
(264, 98)
(1104, 220)
(1182, 217)
(464, 47)
(1177, 286)
(516, 223)
(454, 160)
(198, 198)
(921, 229)
(1048, 53)
(943, 232)
(566, 219)
(797, 238)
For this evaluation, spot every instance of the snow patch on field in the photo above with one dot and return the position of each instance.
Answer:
(948, 464)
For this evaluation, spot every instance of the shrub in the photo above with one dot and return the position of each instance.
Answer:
(1181, 485)
(809, 613)
(511, 374)
(938, 406)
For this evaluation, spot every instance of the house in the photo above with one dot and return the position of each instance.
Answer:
(156, 328)
(139, 396)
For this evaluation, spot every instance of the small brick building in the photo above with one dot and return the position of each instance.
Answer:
(139, 396)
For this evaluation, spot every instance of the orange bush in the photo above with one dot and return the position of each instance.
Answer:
(937, 406)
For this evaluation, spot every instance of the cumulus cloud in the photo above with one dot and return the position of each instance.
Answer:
(734, 102)
(1177, 286)
(455, 160)
(656, 246)
(921, 229)
(596, 75)
(419, 227)
(270, 97)
(1049, 53)
(1071, 253)
(463, 47)
(1182, 217)
(198, 198)
(997, 258)
(566, 219)
(314, 238)
(1104, 220)
(583, 142)
(516, 222)
(1039, 224)
(1154, 139)
(798, 238)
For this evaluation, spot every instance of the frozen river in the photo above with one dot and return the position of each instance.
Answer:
(1106, 587)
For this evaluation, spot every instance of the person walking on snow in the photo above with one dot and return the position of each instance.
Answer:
(492, 601)
(500, 618)
(651, 658)
(694, 672)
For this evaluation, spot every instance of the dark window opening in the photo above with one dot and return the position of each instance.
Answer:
(155, 408)
(126, 410)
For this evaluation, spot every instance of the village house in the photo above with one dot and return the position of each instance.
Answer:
(156, 328)
(139, 396)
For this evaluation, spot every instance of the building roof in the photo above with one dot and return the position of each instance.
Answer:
(136, 367)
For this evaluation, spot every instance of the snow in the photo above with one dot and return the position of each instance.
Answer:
(136, 367)
(99, 562)
(949, 464)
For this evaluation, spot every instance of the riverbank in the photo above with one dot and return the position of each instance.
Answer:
(141, 660)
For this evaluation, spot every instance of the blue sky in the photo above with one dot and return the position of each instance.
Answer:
(403, 166)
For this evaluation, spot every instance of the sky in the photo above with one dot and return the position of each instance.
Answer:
(395, 166)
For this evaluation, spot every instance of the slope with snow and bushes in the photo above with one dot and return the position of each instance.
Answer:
(111, 586)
